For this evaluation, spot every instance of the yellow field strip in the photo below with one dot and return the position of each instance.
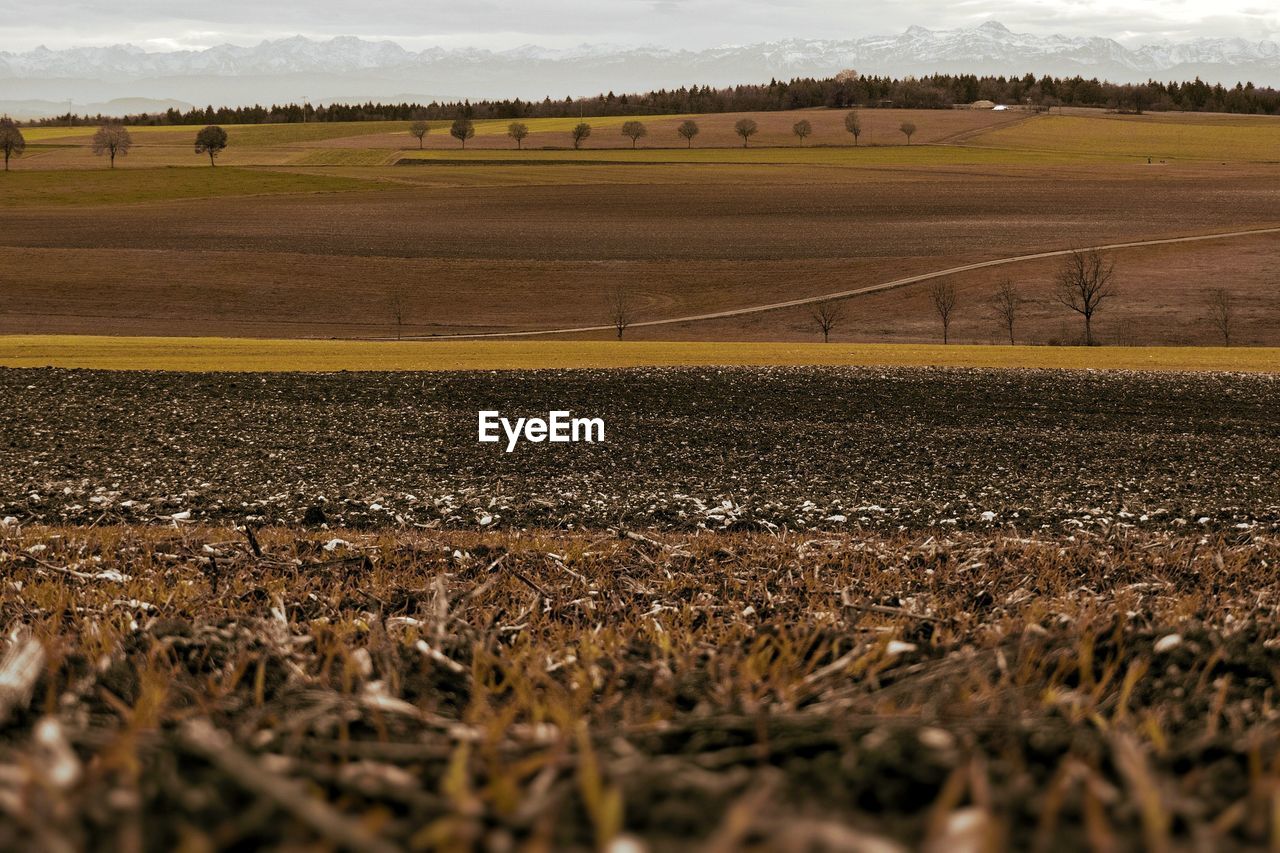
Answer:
(247, 354)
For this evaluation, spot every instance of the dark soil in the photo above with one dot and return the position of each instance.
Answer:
(717, 448)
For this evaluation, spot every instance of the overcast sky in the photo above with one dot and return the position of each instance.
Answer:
(497, 24)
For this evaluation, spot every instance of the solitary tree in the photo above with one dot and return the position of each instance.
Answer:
(462, 129)
(1222, 312)
(112, 140)
(907, 129)
(634, 130)
(826, 315)
(746, 128)
(1005, 304)
(399, 307)
(1084, 283)
(853, 124)
(580, 132)
(802, 128)
(518, 130)
(11, 141)
(418, 130)
(620, 311)
(688, 129)
(212, 140)
(942, 294)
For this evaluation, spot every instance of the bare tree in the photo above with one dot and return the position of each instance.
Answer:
(580, 132)
(908, 129)
(746, 128)
(12, 142)
(634, 130)
(802, 128)
(518, 130)
(1005, 305)
(853, 124)
(113, 140)
(1085, 281)
(943, 295)
(462, 129)
(827, 315)
(418, 130)
(688, 129)
(211, 140)
(399, 308)
(1222, 312)
(620, 311)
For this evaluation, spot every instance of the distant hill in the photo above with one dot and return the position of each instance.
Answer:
(23, 110)
(346, 67)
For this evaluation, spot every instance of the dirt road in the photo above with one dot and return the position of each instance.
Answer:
(845, 294)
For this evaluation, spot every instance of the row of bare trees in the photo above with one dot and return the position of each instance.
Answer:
(1083, 284)
(113, 140)
(1085, 281)
(464, 129)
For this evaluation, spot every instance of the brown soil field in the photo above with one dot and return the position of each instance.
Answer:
(1163, 299)
(494, 258)
(856, 213)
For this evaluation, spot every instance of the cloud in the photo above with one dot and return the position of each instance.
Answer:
(677, 23)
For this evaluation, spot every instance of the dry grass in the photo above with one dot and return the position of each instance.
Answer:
(886, 155)
(452, 690)
(1182, 137)
(137, 186)
(238, 354)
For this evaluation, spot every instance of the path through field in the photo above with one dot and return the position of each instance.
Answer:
(845, 294)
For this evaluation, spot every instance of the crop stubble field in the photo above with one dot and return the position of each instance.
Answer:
(862, 609)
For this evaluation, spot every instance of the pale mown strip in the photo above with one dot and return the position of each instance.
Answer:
(239, 354)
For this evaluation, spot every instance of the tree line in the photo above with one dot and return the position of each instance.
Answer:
(844, 90)
(463, 129)
(112, 140)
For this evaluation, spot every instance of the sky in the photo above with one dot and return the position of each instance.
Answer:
(416, 24)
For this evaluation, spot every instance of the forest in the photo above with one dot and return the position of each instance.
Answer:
(844, 90)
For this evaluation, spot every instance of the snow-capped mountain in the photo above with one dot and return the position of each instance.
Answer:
(338, 68)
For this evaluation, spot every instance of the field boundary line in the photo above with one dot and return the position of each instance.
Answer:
(858, 291)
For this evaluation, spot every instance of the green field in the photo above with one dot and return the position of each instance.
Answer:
(879, 155)
(239, 354)
(1253, 139)
(131, 186)
(345, 157)
(256, 135)
(259, 135)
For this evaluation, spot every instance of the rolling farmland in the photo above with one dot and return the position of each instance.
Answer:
(264, 587)
(310, 230)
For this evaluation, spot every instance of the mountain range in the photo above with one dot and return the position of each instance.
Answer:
(43, 81)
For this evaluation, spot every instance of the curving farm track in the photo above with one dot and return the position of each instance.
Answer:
(858, 291)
